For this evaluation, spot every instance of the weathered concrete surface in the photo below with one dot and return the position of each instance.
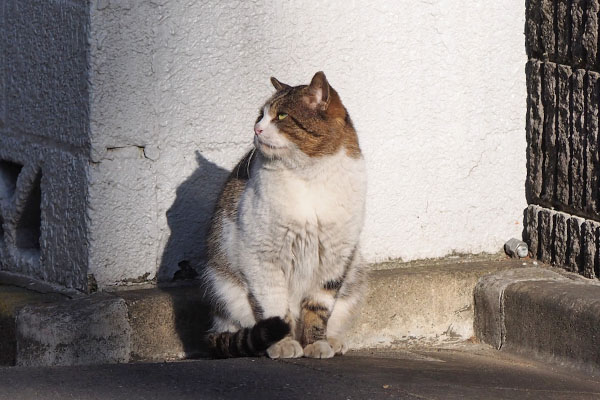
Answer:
(11, 300)
(542, 314)
(92, 330)
(556, 319)
(445, 374)
(419, 303)
(167, 323)
(489, 318)
(428, 304)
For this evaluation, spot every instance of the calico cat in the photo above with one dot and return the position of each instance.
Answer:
(285, 272)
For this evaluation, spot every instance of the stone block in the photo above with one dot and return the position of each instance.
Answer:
(550, 150)
(533, 29)
(590, 247)
(531, 230)
(563, 31)
(91, 330)
(561, 238)
(564, 240)
(591, 128)
(575, 245)
(548, 37)
(577, 144)
(562, 134)
(534, 129)
(545, 232)
(584, 33)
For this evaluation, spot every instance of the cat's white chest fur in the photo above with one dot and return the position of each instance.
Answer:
(301, 202)
(304, 218)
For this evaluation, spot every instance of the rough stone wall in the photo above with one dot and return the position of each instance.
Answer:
(44, 139)
(563, 158)
(435, 90)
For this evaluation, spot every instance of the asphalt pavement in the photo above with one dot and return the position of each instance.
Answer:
(459, 372)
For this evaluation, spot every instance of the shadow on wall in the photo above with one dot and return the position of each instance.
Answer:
(184, 255)
(188, 219)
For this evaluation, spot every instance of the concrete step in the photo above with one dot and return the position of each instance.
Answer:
(407, 304)
(12, 299)
(423, 303)
(550, 315)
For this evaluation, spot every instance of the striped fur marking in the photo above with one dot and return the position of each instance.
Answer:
(314, 322)
(248, 341)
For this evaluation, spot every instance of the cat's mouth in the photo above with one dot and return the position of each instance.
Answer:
(268, 146)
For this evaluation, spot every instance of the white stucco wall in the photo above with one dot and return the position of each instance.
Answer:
(436, 90)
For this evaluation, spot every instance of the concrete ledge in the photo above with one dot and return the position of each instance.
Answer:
(92, 330)
(422, 304)
(12, 299)
(137, 325)
(167, 323)
(541, 313)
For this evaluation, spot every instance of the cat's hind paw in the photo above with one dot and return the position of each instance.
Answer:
(285, 348)
(319, 349)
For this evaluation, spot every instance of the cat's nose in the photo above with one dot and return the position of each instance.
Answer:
(257, 130)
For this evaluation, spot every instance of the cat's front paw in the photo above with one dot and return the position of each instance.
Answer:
(338, 345)
(319, 349)
(285, 348)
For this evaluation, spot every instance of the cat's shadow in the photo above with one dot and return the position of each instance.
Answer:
(184, 255)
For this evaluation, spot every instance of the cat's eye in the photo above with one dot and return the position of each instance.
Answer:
(281, 116)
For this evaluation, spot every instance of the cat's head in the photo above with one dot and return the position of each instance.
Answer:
(306, 120)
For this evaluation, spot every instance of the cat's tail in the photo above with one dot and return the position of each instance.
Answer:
(248, 342)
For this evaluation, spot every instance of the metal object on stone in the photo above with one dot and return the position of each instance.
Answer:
(516, 248)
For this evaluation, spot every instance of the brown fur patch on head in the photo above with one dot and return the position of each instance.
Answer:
(317, 121)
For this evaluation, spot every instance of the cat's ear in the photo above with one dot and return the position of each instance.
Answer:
(319, 92)
(278, 85)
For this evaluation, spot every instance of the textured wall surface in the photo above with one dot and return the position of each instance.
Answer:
(563, 157)
(44, 140)
(436, 90)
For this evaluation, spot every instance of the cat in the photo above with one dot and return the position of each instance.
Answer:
(284, 270)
